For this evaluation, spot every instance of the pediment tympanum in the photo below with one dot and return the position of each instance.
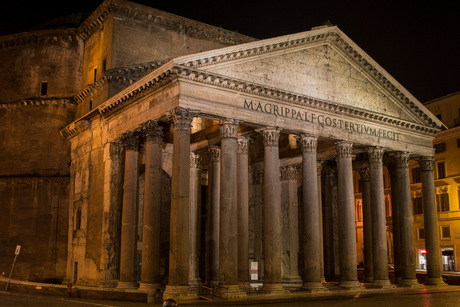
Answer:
(322, 64)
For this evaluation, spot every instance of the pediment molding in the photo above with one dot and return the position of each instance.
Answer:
(331, 36)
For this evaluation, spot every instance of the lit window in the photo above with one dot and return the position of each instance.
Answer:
(441, 170)
(421, 233)
(418, 205)
(416, 175)
(441, 147)
(445, 232)
(442, 201)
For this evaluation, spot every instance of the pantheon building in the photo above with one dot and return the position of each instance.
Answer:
(202, 156)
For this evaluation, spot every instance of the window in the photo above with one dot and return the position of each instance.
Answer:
(104, 65)
(90, 104)
(441, 147)
(441, 169)
(445, 232)
(442, 202)
(416, 175)
(421, 233)
(44, 88)
(417, 203)
(95, 75)
(458, 143)
(78, 219)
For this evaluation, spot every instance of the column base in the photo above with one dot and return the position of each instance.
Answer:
(179, 293)
(128, 285)
(349, 284)
(409, 282)
(107, 284)
(194, 285)
(145, 286)
(368, 279)
(381, 284)
(314, 287)
(274, 289)
(230, 292)
(245, 286)
(436, 281)
(292, 282)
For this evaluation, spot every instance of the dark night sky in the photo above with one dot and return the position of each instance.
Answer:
(418, 45)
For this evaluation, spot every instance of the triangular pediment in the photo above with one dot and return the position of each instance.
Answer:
(323, 64)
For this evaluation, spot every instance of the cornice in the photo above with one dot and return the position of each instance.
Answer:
(148, 15)
(163, 75)
(95, 20)
(75, 128)
(64, 102)
(122, 75)
(41, 37)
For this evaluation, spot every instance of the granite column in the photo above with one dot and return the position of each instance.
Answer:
(272, 212)
(128, 248)
(346, 212)
(150, 275)
(228, 233)
(433, 258)
(379, 234)
(178, 286)
(311, 215)
(212, 236)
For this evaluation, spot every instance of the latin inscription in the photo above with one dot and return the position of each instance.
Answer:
(323, 120)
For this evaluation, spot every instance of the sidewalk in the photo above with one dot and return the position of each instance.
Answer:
(253, 298)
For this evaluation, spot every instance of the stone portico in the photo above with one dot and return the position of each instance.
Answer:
(260, 116)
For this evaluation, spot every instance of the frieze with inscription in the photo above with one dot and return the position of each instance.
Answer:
(323, 120)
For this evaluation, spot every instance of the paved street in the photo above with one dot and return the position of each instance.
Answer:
(441, 298)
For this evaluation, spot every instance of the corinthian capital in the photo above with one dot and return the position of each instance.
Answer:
(214, 153)
(228, 128)
(271, 136)
(375, 154)
(308, 142)
(426, 163)
(288, 172)
(364, 173)
(401, 159)
(243, 144)
(182, 118)
(344, 149)
(130, 140)
(153, 132)
(195, 160)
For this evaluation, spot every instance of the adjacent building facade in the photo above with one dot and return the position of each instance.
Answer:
(199, 155)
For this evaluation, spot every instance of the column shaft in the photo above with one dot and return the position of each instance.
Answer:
(433, 270)
(346, 212)
(195, 219)
(178, 287)
(367, 225)
(272, 212)
(128, 248)
(379, 237)
(311, 215)
(395, 194)
(243, 212)
(228, 243)
(212, 248)
(150, 277)
(406, 229)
